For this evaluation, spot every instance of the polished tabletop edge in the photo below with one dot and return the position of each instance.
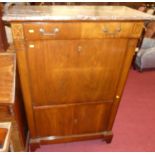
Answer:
(65, 13)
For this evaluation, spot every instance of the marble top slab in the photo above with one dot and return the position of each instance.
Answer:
(55, 13)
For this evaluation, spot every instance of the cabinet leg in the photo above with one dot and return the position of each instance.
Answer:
(33, 147)
(109, 140)
(108, 137)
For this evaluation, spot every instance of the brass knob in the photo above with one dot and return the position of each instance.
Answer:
(31, 46)
(31, 31)
(56, 30)
(117, 96)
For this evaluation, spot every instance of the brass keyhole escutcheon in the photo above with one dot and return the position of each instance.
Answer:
(79, 49)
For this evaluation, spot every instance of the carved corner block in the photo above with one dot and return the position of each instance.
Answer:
(137, 29)
(17, 31)
(18, 36)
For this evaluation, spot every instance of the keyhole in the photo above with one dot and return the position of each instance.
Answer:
(75, 121)
(79, 49)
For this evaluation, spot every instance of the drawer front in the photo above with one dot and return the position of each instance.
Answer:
(34, 31)
(111, 30)
(71, 119)
(83, 30)
(68, 71)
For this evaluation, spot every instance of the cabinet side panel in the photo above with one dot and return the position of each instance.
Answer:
(125, 69)
(17, 31)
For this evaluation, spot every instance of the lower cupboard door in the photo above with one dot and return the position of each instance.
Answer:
(54, 121)
(71, 119)
(91, 118)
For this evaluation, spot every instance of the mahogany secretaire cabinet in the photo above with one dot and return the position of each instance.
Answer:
(73, 63)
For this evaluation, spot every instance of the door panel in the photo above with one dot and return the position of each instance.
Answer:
(54, 121)
(72, 119)
(72, 71)
(91, 118)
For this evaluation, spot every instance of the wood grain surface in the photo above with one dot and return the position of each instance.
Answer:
(7, 78)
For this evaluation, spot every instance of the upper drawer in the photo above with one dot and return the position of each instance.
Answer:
(55, 30)
(101, 30)
(82, 30)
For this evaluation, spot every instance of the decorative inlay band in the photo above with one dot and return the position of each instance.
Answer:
(17, 31)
